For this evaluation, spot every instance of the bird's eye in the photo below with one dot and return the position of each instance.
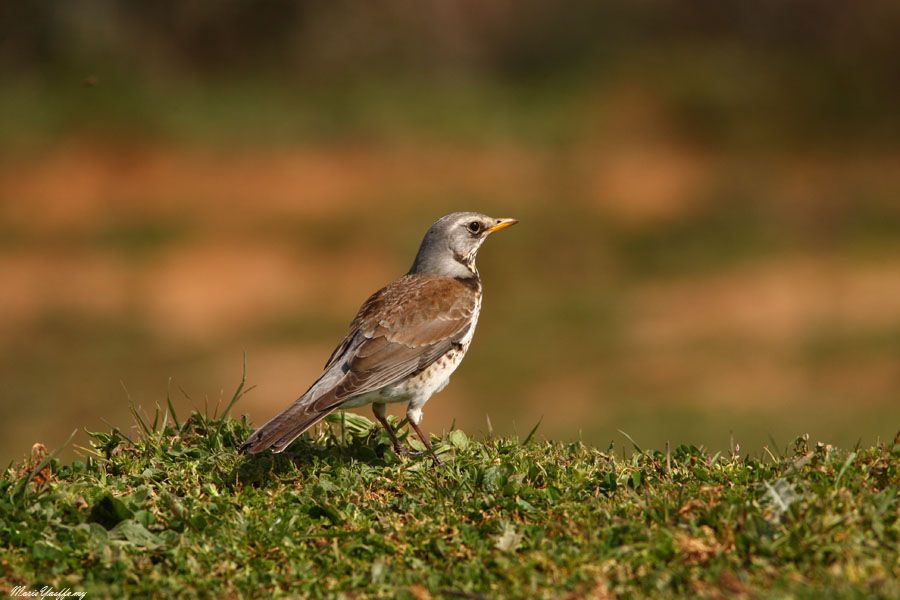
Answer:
(474, 227)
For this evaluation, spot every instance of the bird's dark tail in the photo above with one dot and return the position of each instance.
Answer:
(286, 426)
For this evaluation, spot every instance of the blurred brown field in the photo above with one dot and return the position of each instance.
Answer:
(677, 283)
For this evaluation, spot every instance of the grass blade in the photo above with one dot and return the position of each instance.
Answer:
(668, 460)
(134, 411)
(170, 405)
(630, 439)
(140, 420)
(239, 392)
(20, 487)
(533, 431)
(844, 468)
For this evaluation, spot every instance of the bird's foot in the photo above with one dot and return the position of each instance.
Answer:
(404, 451)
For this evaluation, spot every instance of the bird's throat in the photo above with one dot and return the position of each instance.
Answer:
(468, 262)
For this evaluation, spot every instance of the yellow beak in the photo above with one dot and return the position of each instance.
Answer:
(501, 224)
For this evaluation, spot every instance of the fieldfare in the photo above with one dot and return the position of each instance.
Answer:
(405, 341)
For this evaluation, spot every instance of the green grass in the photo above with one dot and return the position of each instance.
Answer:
(173, 509)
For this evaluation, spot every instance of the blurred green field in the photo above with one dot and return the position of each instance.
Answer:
(710, 228)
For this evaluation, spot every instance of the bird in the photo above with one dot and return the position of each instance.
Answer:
(404, 343)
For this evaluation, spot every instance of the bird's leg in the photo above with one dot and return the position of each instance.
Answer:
(380, 409)
(424, 439)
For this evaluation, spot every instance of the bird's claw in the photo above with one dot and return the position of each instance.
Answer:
(401, 451)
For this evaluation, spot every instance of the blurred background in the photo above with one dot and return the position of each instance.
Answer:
(709, 196)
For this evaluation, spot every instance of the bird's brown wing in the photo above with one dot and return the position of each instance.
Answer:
(400, 330)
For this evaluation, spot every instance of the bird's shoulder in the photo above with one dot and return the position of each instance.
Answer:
(413, 311)
(413, 300)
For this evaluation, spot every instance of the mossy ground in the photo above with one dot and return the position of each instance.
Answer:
(175, 510)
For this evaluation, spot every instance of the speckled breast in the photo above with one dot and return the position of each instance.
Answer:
(436, 376)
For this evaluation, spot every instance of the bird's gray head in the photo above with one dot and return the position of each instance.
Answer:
(450, 245)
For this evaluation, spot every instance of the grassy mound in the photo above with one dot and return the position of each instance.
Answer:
(176, 510)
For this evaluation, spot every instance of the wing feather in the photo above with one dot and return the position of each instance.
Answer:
(399, 331)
